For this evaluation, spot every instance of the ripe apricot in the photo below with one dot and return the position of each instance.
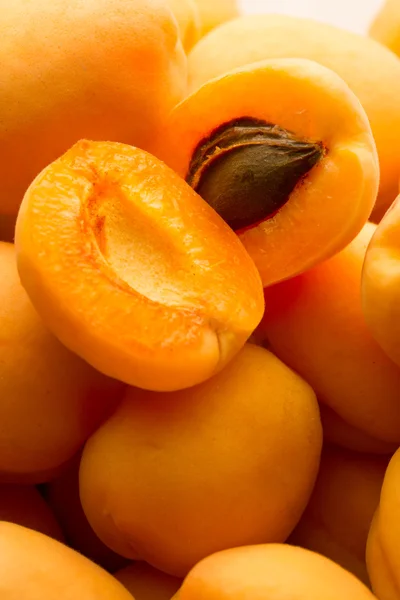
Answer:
(385, 28)
(283, 151)
(214, 13)
(105, 69)
(172, 478)
(51, 400)
(271, 572)
(132, 270)
(381, 283)
(187, 15)
(34, 566)
(314, 323)
(383, 556)
(62, 494)
(371, 70)
(24, 505)
(146, 583)
(337, 519)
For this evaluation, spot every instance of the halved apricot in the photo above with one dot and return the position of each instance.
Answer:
(381, 283)
(132, 270)
(283, 151)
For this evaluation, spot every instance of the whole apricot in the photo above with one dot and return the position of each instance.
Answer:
(51, 400)
(102, 69)
(383, 548)
(271, 572)
(173, 477)
(371, 71)
(315, 324)
(187, 15)
(33, 566)
(337, 519)
(146, 583)
(385, 27)
(214, 13)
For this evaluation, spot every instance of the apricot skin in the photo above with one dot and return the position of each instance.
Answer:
(146, 583)
(271, 572)
(187, 15)
(315, 324)
(371, 71)
(213, 13)
(34, 566)
(171, 478)
(51, 400)
(337, 519)
(105, 69)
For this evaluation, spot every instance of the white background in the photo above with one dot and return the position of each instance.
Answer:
(354, 15)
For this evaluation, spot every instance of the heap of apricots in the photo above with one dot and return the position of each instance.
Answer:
(199, 303)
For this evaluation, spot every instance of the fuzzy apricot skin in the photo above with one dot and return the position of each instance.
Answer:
(187, 15)
(132, 270)
(34, 566)
(146, 583)
(381, 283)
(213, 14)
(337, 519)
(315, 324)
(383, 557)
(371, 71)
(62, 495)
(273, 572)
(329, 207)
(385, 27)
(24, 505)
(51, 400)
(204, 452)
(108, 69)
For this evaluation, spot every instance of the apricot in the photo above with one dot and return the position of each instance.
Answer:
(214, 13)
(283, 151)
(383, 556)
(371, 70)
(132, 270)
(315, 324)
(51, 400)
(62, 494)
(24, 505)
(340, 433)
(108, 69)
(381, 281)
(33, 565)
(337, 519)
(171, 478)
(188, 18)
(385, 27)
(271, 572)
(146, 583)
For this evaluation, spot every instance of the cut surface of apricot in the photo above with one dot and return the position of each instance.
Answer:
(283, 151)
(51, 400)
(171, 478)
(132, 270)
(371, 71)
(111, 69)
(271, 572)
(315, 324)
(381, 283)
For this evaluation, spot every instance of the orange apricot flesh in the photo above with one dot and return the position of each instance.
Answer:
(132, 270)
(283, 150)
(171, 478)
(337, 519)
(146, 583)
(381, 283)
(271, 572)
(315, 324)
(370, 70)
(51, 400)
(33, 565)
(383, 557)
